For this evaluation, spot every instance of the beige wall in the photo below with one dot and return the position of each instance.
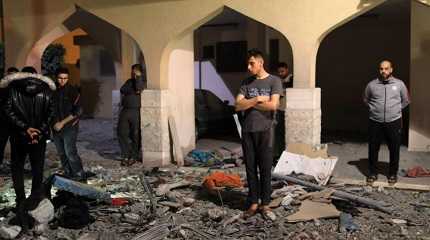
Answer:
(419, 126)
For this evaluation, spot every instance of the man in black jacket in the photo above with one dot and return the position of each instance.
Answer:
(129, 117)
(4, 122)
(66, 127)
(30, 110)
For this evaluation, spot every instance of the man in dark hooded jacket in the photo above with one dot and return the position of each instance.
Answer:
(4, 122)
(30, 110)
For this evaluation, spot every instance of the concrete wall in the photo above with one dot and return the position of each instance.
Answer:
(181, 91)
(419, 126)
(348, 59)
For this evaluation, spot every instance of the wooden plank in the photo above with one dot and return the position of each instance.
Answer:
(179, 157)
(398, 185)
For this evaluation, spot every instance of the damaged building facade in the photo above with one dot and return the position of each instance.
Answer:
(162, 32)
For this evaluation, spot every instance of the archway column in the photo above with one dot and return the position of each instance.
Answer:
(303, 108)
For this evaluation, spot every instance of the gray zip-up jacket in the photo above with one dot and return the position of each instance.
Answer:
(386, 99)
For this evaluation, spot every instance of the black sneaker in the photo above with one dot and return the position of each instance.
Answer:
(371, 179)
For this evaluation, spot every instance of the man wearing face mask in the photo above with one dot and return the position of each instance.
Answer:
(385, 97)
(129, 117)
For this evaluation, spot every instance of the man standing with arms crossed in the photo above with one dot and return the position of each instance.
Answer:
(258, 98)
(385, 97)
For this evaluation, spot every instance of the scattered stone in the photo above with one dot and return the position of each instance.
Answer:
(132, 218)
(404, 231)
(346, 223)
(216, 214)
(188, 201)
(164, 188)
(173, 205)
(398, 221)
(44, 212)
(9, 232)
(39, 229)
(368, 189)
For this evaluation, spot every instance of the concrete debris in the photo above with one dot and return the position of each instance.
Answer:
(346, 223)
(156, 233)
(9, 232)
(216, 214)
(164, 188)
(44, 212)
(310, 210)
(173, 205)
(188, 202)
(132, 218)
(89, 236)
(398, 221)
(40, 228)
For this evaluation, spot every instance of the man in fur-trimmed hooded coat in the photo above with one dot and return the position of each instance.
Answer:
(30, 110)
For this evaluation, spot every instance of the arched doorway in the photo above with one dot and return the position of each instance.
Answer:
(99, 56)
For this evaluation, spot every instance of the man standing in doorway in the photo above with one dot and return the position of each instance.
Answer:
(285, 75)
(258, 98)
(129, 117)
(66, 127)
(287, 82)
(4, 122)
(385, 97)
(30, 110)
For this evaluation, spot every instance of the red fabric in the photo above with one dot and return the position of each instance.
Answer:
(119, 201)
(418, 172)
(221, 179)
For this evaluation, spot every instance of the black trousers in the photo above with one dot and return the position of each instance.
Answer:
(129, 133)
(391, 132)
(19, 152)
(258, 153)
(4, 137)
(279, 144)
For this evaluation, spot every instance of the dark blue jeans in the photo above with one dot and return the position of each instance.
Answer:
(65, 142)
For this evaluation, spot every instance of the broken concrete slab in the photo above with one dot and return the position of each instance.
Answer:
(9, 232)
(164, 188)
(44, 212)
(310, 210)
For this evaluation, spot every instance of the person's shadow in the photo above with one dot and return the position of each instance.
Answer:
(363, 163)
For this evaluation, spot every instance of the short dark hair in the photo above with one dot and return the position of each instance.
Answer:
(62, 70)
(255, 53)
(136, 66)
(282, 65)
(29, 69)
(12, 70)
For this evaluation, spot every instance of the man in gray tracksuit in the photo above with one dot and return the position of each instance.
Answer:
(385, 97)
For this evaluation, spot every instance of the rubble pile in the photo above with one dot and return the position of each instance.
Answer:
(175, 203)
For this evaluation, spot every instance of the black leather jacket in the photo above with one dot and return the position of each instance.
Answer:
(30, 103)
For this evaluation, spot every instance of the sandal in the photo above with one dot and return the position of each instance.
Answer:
(392, 180)
(267, 213)
(250, 212)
